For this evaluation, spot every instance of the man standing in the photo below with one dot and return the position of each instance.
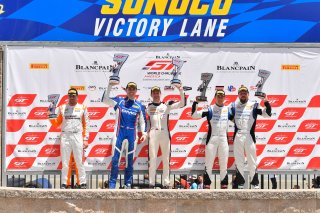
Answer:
(217, 116)
(129, 112)
(74, 121)
(159, 134)
(244, 113)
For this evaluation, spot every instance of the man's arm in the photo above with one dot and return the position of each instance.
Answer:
(85, 123)
(181, 103)
(200, 113)
(231, 111)
(106, 99)
(143, 123)
(85, 126)
(265, 111)
(58, 120)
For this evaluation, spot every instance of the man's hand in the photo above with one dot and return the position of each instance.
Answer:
(113, 83)
(85, 144)
(143, 138)
(179, 87)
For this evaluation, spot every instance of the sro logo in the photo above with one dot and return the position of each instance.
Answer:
(20, 100)
(280, 138)
(158, 65)
(181, 138)
(101, 151)
(20, 163)
(299, 150)
(291, 113)
(269, 163)
(50, 151)
(31, 138)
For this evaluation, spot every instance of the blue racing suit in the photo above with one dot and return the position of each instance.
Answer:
(129, 113)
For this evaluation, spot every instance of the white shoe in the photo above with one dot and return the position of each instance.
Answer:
(255, 186)
(241, 186)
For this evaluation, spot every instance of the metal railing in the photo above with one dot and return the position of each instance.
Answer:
(268, 180)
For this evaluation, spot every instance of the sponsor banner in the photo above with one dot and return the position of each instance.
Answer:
(160, 21)
(289, 137)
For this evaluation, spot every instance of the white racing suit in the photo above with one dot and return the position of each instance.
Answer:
(245, 116)
(74, 121)
(217, 141)
(159, 136)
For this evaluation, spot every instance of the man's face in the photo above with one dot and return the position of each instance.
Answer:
(243, 96)
(131, 92)
(200, 179)
(220, 99)
(155, 95)
(73, 99)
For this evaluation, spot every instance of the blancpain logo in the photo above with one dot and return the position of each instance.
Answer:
(295, 163)
(236, 67)
(46, 163)
(54, 138)
(94, 67)
(97, 163)
(276, 150)
(188, 125)
(168, 56)
(96, 100)
(297, 101)
(261, 138)
(27, 150)
(142, 163)
(105, 138)
(177, 150)
(38, 125)
(196, 163)
(306, 138)
(286, 125)
(17, 113)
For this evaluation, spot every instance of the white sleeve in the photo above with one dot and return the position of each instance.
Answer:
(106, 99)
(179, 104)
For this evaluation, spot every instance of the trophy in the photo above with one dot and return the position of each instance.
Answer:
(264, 74)
(53, 99)
(206, 78)
(178, 63)
(119, 58)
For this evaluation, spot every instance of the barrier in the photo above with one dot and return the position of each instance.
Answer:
(35, 200)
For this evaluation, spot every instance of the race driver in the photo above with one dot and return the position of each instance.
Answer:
(245, 113)
(159, 135)
(129, 112)
(217, 142)
(74, 120)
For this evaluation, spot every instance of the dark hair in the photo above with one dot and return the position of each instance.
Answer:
(73, 89)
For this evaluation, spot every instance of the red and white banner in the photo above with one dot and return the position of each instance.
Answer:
(288, 140)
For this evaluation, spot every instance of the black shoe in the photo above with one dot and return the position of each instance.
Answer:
(83, 186)
(206, 179)
(63, 186)
(225, 181)
(274, 183)
(166, 187)
(151, 186)
(255, 180)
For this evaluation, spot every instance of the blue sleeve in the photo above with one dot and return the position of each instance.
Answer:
(232, 111)
(143, 113)
(117, 100)
(209, 113)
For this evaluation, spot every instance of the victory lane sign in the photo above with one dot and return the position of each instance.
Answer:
(144, 24)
